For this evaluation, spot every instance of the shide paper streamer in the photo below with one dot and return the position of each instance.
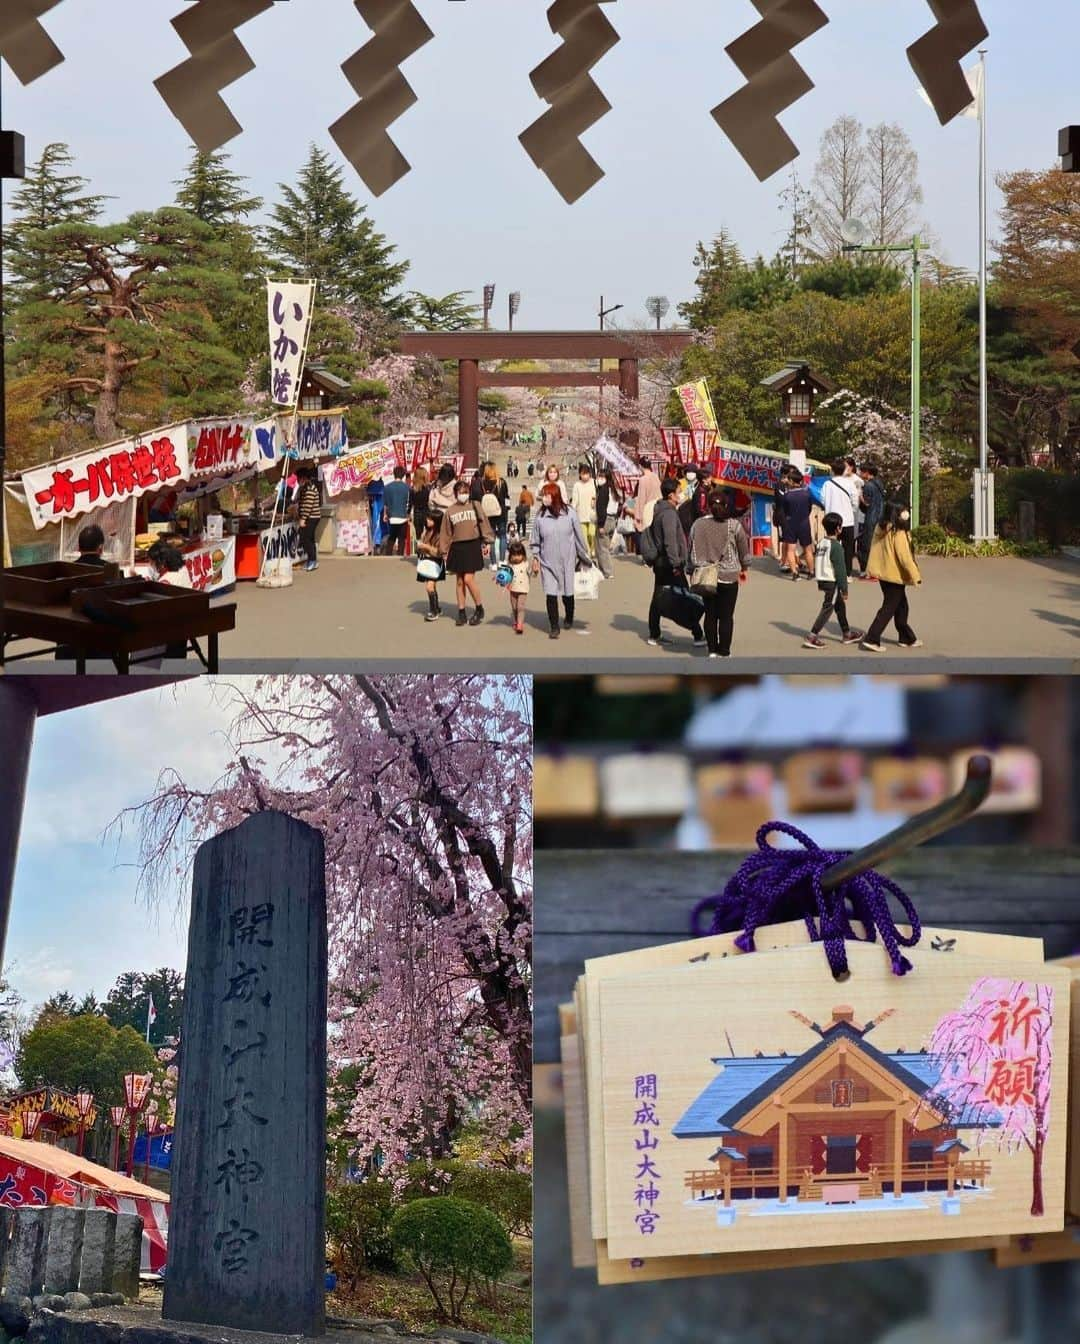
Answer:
(384, 93)
(564, 81)
(191, 90)
(24, 43)
(774, 80)
(936, 56)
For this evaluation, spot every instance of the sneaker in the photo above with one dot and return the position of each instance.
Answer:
(311, 566)
(795, 577)
(853, 637)
(462, 619)
(553, 633)
(700, 642)
(432, 616)
(568, 623)
(658, 639)
(867, 578)
(870, 648)
(714, 655)
(914, 644)
(477, 616)
(813, 642)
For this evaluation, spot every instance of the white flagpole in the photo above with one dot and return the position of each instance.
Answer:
(984, 494)
(149, 1010)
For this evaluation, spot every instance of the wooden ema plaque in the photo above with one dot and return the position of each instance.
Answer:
(754, 1105)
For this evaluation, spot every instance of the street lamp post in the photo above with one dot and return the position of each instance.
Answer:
(136, 1095)
(853, 232)
(153, 1124)
(116, 1119)
(603, 317)
(84, 1101)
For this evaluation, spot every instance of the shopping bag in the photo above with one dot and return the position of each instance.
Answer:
(587, 584)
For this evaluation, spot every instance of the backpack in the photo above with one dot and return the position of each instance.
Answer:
(648, 547)
(823, 565)
(489, 503)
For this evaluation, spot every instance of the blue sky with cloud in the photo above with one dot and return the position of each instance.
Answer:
(77, 921)
(474, 209)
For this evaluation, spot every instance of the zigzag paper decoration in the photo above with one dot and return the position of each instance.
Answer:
(191, 89)
(383, 91)
(24, 43)
(774, 80)
(563, 80)
(935, 57)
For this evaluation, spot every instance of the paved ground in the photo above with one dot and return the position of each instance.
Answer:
(1004, 616)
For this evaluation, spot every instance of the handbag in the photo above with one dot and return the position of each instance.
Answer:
(587, 585)
(705, 579)
(626, 527)
(427, 567)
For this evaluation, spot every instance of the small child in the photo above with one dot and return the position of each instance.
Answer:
(830, 571)
(429, 563)
(519, 585)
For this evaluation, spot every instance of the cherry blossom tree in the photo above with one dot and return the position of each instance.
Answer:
(881, 432)
(996, 1053)
(422, 788)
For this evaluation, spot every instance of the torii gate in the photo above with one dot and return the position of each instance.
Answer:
(471, 348)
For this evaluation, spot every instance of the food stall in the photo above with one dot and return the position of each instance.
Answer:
(56, 1115)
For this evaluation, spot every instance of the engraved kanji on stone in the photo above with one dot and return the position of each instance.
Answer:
(243, 984)
(232, 1052)
(238, 1169)
(246, 921)
(239, 1103)
(232, 1246)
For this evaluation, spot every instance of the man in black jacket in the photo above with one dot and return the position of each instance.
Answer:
(673, 555)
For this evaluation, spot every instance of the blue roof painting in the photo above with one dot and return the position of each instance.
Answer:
(744, 1083)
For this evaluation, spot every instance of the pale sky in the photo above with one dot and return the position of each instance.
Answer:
(76, 920)
(475, 209)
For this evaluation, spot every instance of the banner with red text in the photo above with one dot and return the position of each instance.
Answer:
(697, 404)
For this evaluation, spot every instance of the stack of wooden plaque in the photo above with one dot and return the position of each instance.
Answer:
(729, 1112)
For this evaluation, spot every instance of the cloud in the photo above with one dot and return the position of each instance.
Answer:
(41, 974)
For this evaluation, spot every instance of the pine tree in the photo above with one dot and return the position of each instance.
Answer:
(48, 196)
(212, 192)
(139, 308)
(320, 232)
(719, 268)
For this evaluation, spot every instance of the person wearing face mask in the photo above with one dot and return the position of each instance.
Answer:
(464, 541)
(583, 502)
(695, 505)
(720, 559)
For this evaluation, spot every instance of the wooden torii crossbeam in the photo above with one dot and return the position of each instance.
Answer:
(470, 349)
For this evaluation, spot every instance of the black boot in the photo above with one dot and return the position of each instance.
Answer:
(462, 619)
(477, 616)
(433, 607)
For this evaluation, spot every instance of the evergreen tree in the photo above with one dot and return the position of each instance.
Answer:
(217, 196)
(451, 312)
(719, 267)
(320, 232)
(139, 307)
(48, 196)
(212, 192)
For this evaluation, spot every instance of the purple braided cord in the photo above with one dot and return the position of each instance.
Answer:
(775, 885)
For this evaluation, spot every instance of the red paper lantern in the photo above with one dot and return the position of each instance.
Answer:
(116, 1115)
(153, 1123)
(30, 1122)
(137, 1089)
(627, 484)
(84, 1100)
(410, 451)
(434, 446)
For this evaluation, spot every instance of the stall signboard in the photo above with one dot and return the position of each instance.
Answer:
(319, 436)
(125, 470)
(281, 543)
(61, 1108)
(615, 456)
(212, 567)
(372, 462)
(288, 312)
(697, 405)
(218, 447)
(265, 438)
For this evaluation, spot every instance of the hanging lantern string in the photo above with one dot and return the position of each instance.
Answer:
(775, 885)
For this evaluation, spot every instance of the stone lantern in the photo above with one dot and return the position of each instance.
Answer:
(798, 388)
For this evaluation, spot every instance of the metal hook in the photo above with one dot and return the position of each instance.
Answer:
(935, 820)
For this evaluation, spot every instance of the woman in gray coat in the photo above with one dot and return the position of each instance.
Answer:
(558, 543)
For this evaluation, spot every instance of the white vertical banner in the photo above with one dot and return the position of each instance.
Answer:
(289, 305)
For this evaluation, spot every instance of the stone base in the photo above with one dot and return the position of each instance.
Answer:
(950, 1205)
(142, 1324)
(725, 1217)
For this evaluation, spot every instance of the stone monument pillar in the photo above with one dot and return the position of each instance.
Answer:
(246, 1231)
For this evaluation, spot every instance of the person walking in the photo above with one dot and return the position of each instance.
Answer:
(518, 560)
(558, 544)
(552, 477)
(442, 494)
(670, 556)
(430, 569)
(832, 581)
(522, 514)
(873, 506)
(419, 497)
(648, 495)
(839, 495)
(608, 506)
(893, 564)
(796, 536)
(396, 513)
(491, 492)
(464, 540)
(309, 511)
(583, 502)
(720, 561)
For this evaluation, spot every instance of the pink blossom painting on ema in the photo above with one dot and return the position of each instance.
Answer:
(996, 1056)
